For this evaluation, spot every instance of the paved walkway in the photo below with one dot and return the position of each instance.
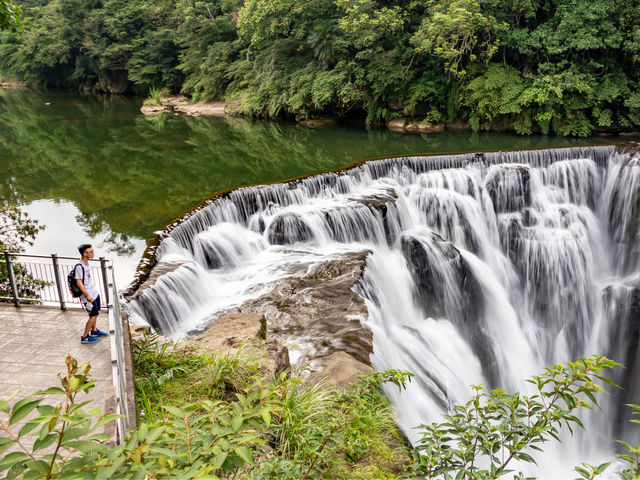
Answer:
(34, 342)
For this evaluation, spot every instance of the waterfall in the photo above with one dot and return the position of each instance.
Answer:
(481, 268)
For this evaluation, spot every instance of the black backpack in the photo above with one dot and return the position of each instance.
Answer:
(74, 289)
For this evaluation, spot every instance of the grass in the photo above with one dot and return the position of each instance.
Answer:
(155, 96)
(313, 432)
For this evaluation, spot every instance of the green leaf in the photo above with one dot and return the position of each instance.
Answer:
(51, 391)
(22, 409)
(86, 446)
(236, 424)
(109, 417)
(164, 451)
(176, 412)
(29, 427)
(142, 432)
(44, 442)
(219, 459)
(11, 459)
(266, 416)
(244, 453)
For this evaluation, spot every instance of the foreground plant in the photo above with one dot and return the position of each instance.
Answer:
(61, 432)
(482, 438)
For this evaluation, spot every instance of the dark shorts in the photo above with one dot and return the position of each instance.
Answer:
(95, 310)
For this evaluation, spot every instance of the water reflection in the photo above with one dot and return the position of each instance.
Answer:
(129, 175)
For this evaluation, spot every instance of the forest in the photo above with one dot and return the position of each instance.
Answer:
(565, 67)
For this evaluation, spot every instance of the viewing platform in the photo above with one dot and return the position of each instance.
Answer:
(34, 342)
(43, 324)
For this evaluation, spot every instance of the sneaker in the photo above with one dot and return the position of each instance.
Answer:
(89, 339)
(98, 333)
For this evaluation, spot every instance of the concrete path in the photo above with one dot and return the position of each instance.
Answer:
(34, 342)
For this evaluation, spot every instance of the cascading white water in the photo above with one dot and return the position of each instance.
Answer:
(484, 268)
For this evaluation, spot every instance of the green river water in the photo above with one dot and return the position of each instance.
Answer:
(95, 169)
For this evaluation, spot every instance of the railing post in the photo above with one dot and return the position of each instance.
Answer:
(56, 277)
(103, 267)
(12, 279)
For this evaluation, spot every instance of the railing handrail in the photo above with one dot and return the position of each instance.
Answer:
(49, 256)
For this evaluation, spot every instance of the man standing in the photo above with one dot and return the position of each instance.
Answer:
(90, 297)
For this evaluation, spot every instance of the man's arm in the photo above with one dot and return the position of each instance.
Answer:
(80, 283)
(83, 290)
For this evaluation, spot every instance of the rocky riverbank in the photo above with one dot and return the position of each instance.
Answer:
(179, 104)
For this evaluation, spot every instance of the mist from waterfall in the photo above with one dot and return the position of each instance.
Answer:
(484, 269)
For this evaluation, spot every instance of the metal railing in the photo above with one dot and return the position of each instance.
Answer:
(118, 361)
(42, 280)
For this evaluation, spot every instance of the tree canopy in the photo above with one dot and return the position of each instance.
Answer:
(551, 66)
(9, 16)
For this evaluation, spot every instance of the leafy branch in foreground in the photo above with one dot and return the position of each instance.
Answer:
(480, 439)
(61, 432)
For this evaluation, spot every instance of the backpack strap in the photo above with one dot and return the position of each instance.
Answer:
(74, 270)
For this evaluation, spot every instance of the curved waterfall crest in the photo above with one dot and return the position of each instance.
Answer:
(480, 268)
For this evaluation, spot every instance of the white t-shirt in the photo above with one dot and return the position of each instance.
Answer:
(92, 290)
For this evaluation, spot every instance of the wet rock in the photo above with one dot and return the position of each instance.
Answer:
(384, 203)
(182, 105)
(439, 271)
(339, 369)
(397, 124)
(316, 122)
(153, 109)
(245, 333)
(138, 331)
(209, 109)
(404, 124)
(457, 126)
(288, 228)
(508, 186)
(317, 310)
(421, 126)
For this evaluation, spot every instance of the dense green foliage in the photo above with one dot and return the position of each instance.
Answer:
(553, 66)
(9, 15)
(309, 430)
(283, 429)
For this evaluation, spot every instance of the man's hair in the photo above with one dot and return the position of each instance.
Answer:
(83, 247)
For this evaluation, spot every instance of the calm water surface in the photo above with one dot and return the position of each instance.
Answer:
(95, 169)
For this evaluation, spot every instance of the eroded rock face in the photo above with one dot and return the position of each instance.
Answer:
(438, 268)
(405, 124)
(288, 228)
(245, 332)
(508, 187)
(339, 369)
(316, 312)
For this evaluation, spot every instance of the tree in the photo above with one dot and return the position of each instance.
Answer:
(16, 230)
(10, 16)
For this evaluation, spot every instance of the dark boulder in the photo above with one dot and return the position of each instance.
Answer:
(288, 228)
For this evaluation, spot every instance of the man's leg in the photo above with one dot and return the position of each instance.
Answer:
(93, 317)
(91, 325)
(94, 329)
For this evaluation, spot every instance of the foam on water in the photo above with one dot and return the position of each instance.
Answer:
(484, 269)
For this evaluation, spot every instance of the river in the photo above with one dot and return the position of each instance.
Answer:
(95, 169)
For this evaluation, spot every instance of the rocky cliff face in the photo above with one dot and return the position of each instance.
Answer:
(314, 315)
